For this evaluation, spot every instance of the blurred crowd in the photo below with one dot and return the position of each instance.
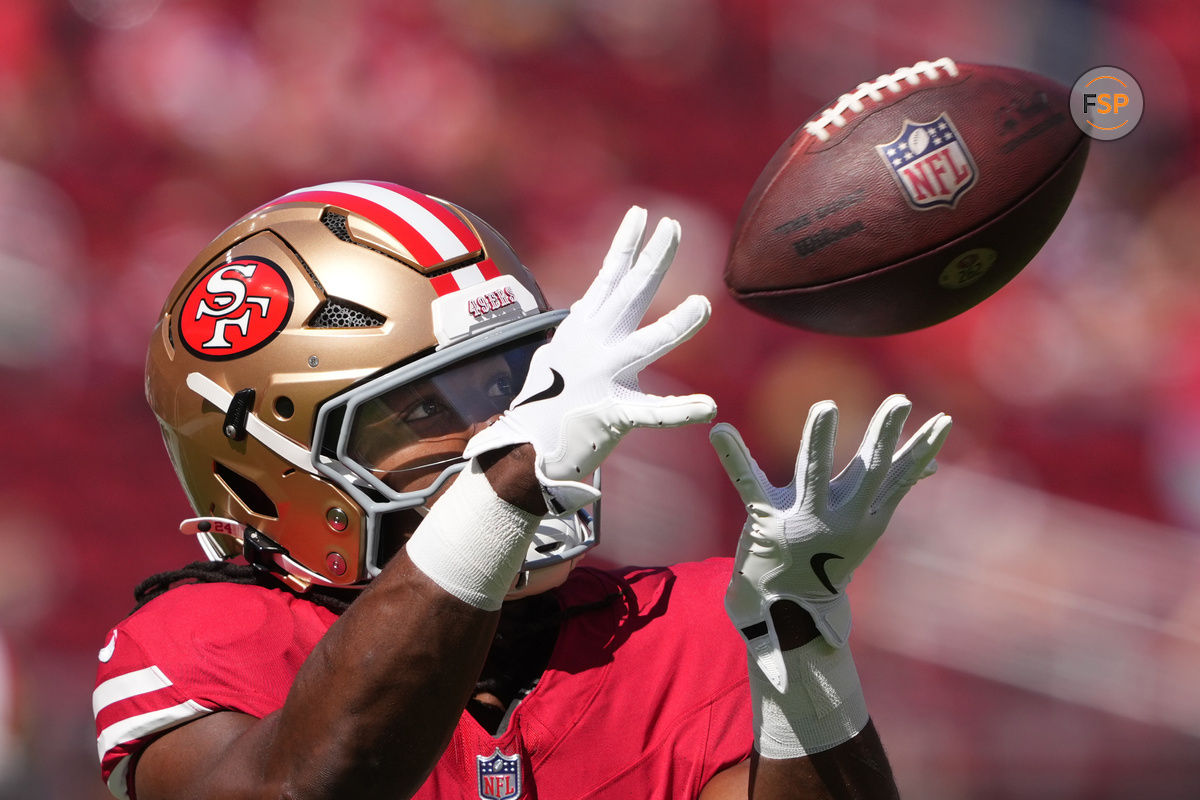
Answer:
(133, 131)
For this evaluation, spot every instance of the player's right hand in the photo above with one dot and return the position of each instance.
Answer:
(801, 542)
(582, 394)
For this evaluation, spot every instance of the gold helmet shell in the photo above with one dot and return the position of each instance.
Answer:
(318, 300)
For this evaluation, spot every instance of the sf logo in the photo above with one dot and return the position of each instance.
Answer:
(229, 294)
(235, 308)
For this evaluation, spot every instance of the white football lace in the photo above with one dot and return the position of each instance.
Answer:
(836, 114)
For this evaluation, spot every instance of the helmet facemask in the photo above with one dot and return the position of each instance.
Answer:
(394, 442)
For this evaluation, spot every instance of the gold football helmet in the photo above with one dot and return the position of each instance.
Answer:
(319, 367)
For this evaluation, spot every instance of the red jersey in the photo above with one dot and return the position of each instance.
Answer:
(645, 698)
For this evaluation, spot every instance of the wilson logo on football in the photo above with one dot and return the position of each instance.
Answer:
(930, 163)
(235, 308)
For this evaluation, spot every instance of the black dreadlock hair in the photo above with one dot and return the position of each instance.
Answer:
(335, 600)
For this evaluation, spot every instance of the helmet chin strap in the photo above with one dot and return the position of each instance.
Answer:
(538, 581)
(552, 544)
(221, 538)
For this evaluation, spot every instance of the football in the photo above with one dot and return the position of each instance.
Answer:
(907, 201)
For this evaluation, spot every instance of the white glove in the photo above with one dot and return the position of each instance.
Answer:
(802, 542)
(582, 395)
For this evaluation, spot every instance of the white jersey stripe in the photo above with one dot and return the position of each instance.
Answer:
(140, 725)
(442, 239)
(131, 684)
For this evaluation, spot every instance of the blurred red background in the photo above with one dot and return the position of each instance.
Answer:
(1031, 625)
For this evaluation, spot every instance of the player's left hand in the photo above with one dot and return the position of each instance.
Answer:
(582, 392)
(803, 541)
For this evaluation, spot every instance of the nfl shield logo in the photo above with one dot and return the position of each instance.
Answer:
(499, 776)
(930, 162)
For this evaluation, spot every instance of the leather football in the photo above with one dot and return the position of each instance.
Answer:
(907, 201)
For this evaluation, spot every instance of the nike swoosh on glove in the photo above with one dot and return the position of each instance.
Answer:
(802, 542)
(582, 394)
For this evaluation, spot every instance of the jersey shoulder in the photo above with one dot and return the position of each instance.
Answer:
(197, 649)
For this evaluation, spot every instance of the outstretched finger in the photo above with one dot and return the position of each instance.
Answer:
(914, 461)
(878, 445)
(670, 411)
(814, 461)
(648, 344)
(616, 263)
(632, 295)
(749, 481)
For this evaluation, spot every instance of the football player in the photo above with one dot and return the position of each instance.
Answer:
(391, 444)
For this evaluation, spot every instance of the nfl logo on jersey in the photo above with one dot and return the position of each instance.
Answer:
(930, 163)
(499, 776)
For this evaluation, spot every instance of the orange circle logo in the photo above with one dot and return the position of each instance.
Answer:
(235, 308)
(1106, 103)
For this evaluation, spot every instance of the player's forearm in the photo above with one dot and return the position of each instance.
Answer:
(854, 770)
(375, 704)
(838, 762)
(384, 689)
(510, 470)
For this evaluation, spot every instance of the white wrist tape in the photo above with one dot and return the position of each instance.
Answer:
(822, 707)
(472, 543)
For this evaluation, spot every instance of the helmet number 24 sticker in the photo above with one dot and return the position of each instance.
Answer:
(235, 308)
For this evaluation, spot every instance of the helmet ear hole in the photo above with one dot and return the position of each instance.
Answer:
(284, 407)
(246, 491)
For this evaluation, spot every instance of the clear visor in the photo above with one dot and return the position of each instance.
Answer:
(393, 442)
(407, 435)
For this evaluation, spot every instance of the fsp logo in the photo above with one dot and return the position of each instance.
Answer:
(235, 308)
(1106, 103)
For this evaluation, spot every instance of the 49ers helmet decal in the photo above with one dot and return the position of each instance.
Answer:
(235, 308)
(320, 365)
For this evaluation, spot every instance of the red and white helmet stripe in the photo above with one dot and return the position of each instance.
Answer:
(426, 228)
(465, 277)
